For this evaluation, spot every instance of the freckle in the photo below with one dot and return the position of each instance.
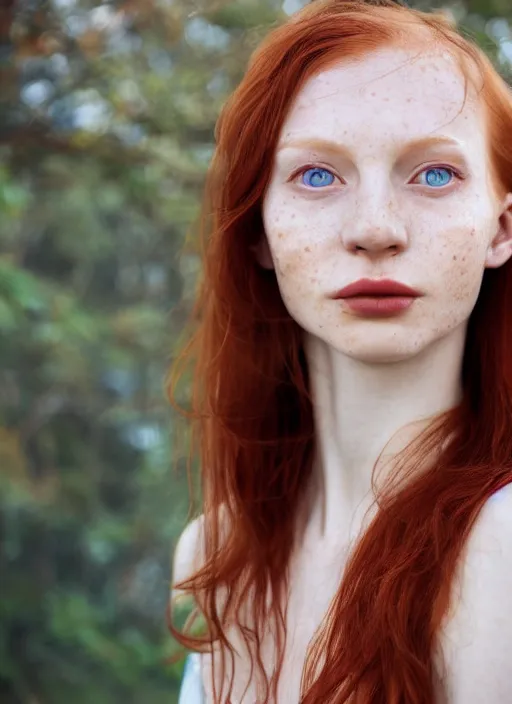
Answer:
(280, 235)
(307, 249)
(454, 257)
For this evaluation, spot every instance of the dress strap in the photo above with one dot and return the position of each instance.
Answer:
(192, 691)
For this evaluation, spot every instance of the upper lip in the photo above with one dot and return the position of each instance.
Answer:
(374, 287)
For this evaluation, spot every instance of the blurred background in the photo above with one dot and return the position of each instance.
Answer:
(107, 112)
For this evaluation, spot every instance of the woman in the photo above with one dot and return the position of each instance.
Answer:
(353, 371)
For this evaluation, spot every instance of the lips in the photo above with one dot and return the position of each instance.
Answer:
(376, 289)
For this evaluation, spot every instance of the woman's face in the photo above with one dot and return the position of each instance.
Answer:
(382, 172)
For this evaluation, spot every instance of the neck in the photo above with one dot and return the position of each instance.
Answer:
(359, 408)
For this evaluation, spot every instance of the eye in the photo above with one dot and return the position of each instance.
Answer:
(317, 177)
(437, 176)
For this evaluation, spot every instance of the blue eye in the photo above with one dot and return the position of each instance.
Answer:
(318, 177)
(437, 177)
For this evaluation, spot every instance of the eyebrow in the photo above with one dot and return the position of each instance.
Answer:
(326, 145)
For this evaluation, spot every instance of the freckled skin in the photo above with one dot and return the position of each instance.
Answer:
(375, 220)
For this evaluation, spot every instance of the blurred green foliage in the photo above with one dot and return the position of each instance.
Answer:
(106, 128)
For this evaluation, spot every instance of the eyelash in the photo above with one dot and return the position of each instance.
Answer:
(451, 169)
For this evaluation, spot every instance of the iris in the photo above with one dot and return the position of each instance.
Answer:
(318, 177)
(437, 177)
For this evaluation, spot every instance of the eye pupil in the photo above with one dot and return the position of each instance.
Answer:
(318, 177)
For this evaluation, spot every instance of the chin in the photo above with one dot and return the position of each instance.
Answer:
(377, 355)
(380, 349)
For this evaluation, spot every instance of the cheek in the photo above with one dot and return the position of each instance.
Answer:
(296, 272)
(296, 236)
(460, 266)
(296, 266)
(295, 250)
(292, 243)
(294, 262)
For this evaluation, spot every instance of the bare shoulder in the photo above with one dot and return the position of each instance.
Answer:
(188, 554)
(476, 641)
(190, 551)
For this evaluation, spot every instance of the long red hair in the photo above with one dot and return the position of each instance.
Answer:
(252, 411)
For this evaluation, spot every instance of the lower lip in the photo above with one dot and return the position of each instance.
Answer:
(379, 306)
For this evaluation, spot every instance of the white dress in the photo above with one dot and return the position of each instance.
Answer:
(192, 691)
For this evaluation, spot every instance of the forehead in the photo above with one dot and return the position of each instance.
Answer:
(392, 95)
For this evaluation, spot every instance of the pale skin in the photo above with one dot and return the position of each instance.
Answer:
(364, 135)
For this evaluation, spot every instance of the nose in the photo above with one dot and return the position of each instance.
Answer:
(377, 228)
